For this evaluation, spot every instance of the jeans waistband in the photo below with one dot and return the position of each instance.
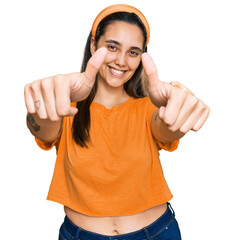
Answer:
(151, 230)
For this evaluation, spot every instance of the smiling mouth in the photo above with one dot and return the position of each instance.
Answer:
(116, 72)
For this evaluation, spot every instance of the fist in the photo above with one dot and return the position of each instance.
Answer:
(51, 98)
(178, 107)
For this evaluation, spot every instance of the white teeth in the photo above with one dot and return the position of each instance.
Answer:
(117, 72)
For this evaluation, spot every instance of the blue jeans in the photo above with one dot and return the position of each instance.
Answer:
(164, 228)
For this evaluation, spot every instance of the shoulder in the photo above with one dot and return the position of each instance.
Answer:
(145, 102)
(142, 100)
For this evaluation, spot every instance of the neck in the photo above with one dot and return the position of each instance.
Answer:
(110, 96)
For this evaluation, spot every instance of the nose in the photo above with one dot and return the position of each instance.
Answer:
(120, 59)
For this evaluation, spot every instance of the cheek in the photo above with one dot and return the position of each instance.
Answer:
(134, 63)
(110, 57)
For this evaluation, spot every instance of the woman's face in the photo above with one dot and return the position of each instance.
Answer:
(124, 42)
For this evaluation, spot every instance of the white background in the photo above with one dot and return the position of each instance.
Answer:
(191, 42)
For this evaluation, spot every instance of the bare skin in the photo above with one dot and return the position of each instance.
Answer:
(116, 225)
(116, 57)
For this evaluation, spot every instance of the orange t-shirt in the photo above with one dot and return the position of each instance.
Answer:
(120, 173)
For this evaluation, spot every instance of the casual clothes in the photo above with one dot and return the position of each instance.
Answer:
(120, 173)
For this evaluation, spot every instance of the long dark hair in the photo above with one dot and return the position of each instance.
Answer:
(134, 86)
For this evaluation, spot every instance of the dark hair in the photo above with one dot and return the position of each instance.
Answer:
(133, 87)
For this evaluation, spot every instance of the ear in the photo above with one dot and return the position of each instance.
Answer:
(92, 45)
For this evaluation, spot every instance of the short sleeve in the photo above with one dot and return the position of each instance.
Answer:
(168, 146)
(47, 145)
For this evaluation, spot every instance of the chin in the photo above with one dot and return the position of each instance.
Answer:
(115, 82)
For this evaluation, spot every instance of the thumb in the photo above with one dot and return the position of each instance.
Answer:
(94, 65)
(150, 70)
(158, 90)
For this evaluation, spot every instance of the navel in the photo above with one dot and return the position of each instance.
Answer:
(116, 232)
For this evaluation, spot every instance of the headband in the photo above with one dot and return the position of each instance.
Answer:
(120, 8)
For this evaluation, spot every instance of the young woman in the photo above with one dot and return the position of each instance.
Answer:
(108, 125)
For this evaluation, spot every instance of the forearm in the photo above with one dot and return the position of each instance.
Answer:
(161, 131)
(44, 129)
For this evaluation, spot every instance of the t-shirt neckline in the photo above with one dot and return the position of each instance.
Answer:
(114, 108)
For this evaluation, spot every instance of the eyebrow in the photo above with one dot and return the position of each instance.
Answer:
(119, 44)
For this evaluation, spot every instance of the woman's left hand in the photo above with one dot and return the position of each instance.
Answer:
(178, 107)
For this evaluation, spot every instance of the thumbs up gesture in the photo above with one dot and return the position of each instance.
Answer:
(50, 98)
(179, 109)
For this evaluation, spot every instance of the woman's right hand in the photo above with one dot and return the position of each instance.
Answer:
(50, 98)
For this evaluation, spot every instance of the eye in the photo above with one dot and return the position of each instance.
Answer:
(112, 47)
(134, 53)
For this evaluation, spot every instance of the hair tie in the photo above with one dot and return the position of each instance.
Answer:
(120, 8)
